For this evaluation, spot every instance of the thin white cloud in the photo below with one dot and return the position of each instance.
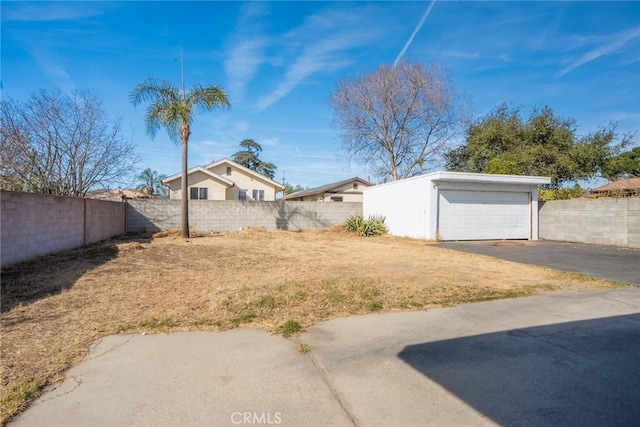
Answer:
(324, 42)
(51, 11)
(459, 54)
(415, 31)
(246, 58)
(52, 67)
(613, 44)
(247, 52)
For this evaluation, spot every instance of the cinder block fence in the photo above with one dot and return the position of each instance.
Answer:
(38, 224)
(149, 215)
(598, 221)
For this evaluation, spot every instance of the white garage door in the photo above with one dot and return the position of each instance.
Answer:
(483, 215)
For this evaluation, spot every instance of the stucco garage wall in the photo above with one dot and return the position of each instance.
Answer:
(230, 215)
(407, 208)
(597, 221)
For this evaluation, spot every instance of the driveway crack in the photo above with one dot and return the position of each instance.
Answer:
(110, 349)
(334, 391)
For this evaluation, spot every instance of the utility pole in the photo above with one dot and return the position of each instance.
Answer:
(182, 75)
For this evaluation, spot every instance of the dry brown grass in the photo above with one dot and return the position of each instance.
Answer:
(55, 307)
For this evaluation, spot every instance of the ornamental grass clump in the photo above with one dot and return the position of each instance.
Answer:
(373, 226)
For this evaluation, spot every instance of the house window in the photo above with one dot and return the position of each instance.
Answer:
(355, 185)
(242, 195)
(336, 199)
(198, 193)
(228, 170)
(258, 195)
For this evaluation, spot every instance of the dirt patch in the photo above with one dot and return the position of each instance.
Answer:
(55, 307)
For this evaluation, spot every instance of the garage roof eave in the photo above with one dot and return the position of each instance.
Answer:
(489, 178)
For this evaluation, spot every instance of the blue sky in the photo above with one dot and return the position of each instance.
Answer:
(279, 61)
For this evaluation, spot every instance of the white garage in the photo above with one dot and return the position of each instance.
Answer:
(458, 206)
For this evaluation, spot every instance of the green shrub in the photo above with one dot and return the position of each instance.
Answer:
(561, 193)
(373, 226)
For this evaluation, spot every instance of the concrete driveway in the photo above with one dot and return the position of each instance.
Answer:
(607, 262)
(557, 359)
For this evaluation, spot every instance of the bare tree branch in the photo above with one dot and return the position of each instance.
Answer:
(397, 120)
(61, 144)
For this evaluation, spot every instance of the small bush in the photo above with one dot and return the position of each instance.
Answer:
(373, 226)
(562, 193)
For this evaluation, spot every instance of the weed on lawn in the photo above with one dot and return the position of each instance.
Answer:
(289, 328)
(55, 307)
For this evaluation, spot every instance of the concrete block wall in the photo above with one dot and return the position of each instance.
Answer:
(230, 215)
(633, 222)
(34, 224)
(104, 219)
(598, 221)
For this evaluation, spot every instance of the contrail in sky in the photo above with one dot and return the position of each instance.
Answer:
(415, 31)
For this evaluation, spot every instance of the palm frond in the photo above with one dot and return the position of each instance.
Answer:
(162, 114)
(154, 89)
(207, 97)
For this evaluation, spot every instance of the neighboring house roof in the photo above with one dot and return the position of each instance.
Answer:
(324, 189)
(624, 186)
(202, 169)
(118, 194)
(206, 170)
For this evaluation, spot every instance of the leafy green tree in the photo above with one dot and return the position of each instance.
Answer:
(150, 182)
(249, 158)
(623, 165)
(543, 144)
(288, 188)
(173, 108)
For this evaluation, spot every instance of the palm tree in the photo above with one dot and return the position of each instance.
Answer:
(172, 109)
(150, 182)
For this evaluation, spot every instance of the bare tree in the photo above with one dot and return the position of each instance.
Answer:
(61, 144)
(396, 120)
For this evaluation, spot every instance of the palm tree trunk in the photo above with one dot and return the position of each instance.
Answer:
(185, 192)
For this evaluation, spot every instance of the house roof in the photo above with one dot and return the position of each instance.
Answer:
(247, 170)
(488, 178)
(324, 189)
(205, 169)
(118, 194)
(440, 177)
(620, 185)
(213, 175)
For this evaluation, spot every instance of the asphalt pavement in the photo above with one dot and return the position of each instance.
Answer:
(607, 262)
(556, 359)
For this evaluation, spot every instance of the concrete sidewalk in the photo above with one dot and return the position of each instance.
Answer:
(558, 359)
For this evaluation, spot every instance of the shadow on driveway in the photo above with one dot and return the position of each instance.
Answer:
(577, 373)
(607, 262)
